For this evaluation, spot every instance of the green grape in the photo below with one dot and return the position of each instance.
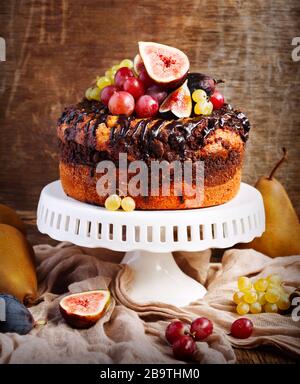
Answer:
(128, 204)
(238, 297)
(113, 202)
(110, 74)
(114, 68)
(103, 82)
(284, 303)
(272, 295)
(95, 94)
(88, 93)
(270, 308)
(261, 298)
(126, 63)
(199, 95)
(255, 307)
(261, 285)
(242, 308)
(250, 297)
(203, 108)
(274, 279)
(244, 284)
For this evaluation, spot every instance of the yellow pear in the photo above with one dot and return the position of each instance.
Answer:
(17, 267)
(282, 234)
(10, 217)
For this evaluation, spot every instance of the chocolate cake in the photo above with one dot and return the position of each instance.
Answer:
(89, 133)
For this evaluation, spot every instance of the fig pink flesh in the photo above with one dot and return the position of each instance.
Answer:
(87, 303)
(164, 64)
(138, 64)
(178, 102)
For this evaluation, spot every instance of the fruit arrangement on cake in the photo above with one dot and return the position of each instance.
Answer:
(153, 109)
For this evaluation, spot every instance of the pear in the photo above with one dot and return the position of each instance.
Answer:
(17, 265)
(282, 234)
(9, 216)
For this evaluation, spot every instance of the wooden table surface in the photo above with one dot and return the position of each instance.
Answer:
(253, 356)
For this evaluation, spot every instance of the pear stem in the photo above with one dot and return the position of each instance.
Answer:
(284, 157)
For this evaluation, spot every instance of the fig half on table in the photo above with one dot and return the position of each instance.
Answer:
(82, 310)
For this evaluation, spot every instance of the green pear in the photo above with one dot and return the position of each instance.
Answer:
(282, 234)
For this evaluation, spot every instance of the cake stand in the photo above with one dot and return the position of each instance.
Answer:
(150, 237)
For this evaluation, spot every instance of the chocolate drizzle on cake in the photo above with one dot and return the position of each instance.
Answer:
(151, 138)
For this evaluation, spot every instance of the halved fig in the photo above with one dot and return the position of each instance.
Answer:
(82, 310)
(164, 64)
(138, 64)
(179, 102)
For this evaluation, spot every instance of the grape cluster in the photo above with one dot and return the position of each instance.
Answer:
(124, 91)
(205, 105)
(182, 338)
(94, 93)
(114, 202)
(265, 295)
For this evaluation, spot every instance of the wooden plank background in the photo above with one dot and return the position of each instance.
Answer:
(55, 48)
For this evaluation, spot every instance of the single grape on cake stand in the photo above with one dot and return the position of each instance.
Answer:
(150, 237)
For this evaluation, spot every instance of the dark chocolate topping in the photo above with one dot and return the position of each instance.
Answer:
(154, 137)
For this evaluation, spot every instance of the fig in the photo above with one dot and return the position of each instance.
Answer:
(157, 92)
(201, 81)
(9, 216)
(164, 64)
(179, 102)
(17, 272)
(14, 316)
(138, 64)
(82, 310)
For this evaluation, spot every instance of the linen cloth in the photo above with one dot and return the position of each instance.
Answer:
(134, 333)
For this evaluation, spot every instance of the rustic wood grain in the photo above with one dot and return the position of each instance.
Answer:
(56, 48)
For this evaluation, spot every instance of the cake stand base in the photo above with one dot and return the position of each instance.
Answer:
(149, 237)
(157, 278)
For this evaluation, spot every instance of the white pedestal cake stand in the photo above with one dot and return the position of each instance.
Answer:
(149, 237)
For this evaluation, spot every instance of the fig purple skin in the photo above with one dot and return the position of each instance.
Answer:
(157, 92)
(18, 319)
(201, 81)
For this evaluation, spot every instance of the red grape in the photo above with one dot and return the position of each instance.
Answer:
(134, 86)
(122, 75)
(146, 106)
(241, 328)
(184, 348)
(145, 78)
(107, 93)
(175, 330)
(201, 328)
(157, 92)
(217, 99)
(121, 103)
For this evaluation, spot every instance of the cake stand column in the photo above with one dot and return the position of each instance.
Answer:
(157, 278)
